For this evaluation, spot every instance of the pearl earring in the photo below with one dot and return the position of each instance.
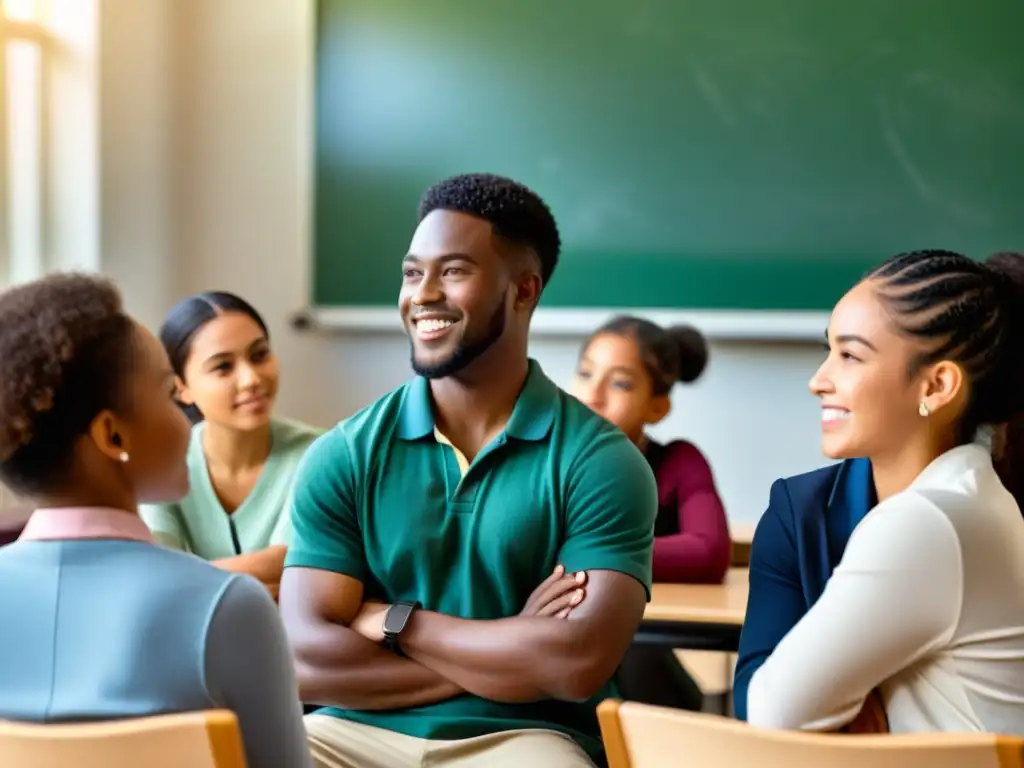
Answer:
(923, 409)
(123, 457)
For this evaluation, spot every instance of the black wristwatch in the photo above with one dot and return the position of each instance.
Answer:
(394, 622)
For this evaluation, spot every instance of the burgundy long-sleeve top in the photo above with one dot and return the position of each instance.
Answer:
(691, 534)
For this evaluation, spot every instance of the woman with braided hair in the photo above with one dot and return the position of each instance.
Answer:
(926, 603)
(98, 621)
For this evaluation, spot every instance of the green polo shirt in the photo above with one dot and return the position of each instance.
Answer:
(199, 524)
(380, 498)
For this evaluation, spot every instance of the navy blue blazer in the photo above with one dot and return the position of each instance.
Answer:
(798, 542)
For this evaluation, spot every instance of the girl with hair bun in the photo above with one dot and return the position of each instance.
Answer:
(925, 607)
(626, 372)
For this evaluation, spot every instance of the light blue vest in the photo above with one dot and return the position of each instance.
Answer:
(104, 629)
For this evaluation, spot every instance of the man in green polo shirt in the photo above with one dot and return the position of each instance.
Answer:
(418, 589)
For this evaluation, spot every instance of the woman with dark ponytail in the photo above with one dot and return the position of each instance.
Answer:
(242, 459)
(1009, 447)
(626, 372)
(926, 605)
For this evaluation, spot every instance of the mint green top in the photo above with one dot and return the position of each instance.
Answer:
(385, 499)
(199, 524)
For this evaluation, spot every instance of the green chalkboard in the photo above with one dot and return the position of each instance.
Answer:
(698, 154)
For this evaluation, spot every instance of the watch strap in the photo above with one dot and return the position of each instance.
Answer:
(395, 621)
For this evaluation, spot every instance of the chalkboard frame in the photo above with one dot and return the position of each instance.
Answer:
(557, 318)
(717, 325)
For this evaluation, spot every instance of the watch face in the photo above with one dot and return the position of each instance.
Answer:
(394, 621)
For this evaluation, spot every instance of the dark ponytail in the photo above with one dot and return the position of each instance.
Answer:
(1010, 447)
(675, 354)
(971, 313)
(187, 318)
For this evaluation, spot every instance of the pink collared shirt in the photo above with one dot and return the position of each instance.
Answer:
(85, 523)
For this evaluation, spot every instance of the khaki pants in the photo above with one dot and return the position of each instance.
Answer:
(337, 743)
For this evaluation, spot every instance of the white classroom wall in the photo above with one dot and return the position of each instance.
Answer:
(205, 151)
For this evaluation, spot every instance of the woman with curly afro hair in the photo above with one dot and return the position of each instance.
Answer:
(99, 622)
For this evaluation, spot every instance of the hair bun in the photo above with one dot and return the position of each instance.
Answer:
(693, 351)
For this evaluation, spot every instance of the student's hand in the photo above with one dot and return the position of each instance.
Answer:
(557, 595)
(369, 622)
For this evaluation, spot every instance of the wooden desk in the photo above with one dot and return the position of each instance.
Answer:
(742, 535)
(699, 617)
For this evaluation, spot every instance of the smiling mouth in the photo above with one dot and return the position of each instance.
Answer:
(834, 415)
(253, 402)
(429, 329)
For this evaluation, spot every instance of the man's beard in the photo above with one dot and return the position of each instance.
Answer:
(465, 353)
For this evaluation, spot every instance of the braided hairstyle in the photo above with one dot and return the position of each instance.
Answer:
(67, 346)
(675, 354)
(968, 312)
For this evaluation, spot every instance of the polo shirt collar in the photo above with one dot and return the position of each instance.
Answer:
(531, 418)
(416, 418)
(85, 523)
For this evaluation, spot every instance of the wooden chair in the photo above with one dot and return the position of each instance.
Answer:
(640, 736)
(190, 740)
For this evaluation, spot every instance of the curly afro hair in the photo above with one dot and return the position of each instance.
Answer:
(515, 212)
(66, 345)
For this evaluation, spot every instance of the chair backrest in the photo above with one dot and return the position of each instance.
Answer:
(189, 740)
(641, 736)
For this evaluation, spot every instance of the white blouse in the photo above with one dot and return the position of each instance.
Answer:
(927, 603)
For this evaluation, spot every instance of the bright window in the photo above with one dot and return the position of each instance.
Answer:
(23, 127)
